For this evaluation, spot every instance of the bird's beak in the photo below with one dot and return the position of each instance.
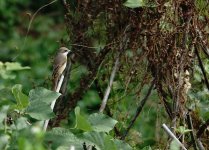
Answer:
(69, 51)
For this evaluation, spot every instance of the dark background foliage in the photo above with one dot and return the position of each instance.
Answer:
(147, 36)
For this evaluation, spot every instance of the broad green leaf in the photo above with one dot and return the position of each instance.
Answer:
(40, 110)
(134, 3)
(109, 143)
(81, 122)
(101, 122)
(21, 99)
(43, 95)
(62, 138)
(14, 66)
(102, 141)
(95, 139)
(121, 145)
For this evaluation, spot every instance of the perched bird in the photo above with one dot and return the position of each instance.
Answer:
(59, 65)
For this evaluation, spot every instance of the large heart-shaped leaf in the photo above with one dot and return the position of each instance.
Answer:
(44, 95)
(63, 139)
(101, 122)
(40, 110)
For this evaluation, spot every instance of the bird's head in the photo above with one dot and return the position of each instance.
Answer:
(64, 51)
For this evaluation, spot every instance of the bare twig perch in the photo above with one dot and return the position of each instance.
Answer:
(123, 45)
(168, 131)
(107, 93)
(190, 125)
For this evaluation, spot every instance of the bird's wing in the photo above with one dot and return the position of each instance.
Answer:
(59, 61)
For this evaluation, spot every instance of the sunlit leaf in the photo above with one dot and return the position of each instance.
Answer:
(183, 130)
(81, 122)
(21, 98)
(15, 66)
(134, 3)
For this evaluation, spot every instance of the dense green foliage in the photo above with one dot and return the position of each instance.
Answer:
(28, 44)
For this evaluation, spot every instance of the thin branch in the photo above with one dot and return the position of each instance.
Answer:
(139, 109)
(199, 143)
(123, 45)
(29, 26)
(92, 47)
(190, 125)
(168, 131)
(107, 92)
(202, 67)
(165, 103)
(205, 50)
